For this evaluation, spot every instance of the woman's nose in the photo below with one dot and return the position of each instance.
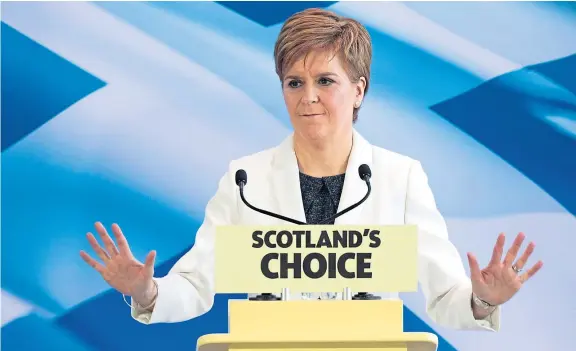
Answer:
(310, 95)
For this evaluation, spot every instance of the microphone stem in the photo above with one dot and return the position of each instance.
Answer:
(264, 211)
(353, 206)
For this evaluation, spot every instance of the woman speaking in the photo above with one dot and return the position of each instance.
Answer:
(323, 62)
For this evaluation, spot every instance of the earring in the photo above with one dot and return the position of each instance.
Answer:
(357, 104)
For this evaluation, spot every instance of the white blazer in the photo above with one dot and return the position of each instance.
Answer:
(400, 195)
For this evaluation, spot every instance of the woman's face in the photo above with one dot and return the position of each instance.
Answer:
(320, 97)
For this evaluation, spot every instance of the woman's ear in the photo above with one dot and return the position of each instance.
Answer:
(360, 88)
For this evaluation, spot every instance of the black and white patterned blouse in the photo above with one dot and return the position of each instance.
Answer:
(320, 196)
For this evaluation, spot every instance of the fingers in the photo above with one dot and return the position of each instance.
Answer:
(525, 256)
(498, 249)
(513, 251)
(108, 243)
(533, 270)
(121, 240)
(92, 262)
(475, 273)
(97, 248)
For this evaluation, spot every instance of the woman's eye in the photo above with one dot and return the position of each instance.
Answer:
(293, 84)
(324, 81)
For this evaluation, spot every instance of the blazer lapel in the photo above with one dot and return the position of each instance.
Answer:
(354, 187)
(285, 180)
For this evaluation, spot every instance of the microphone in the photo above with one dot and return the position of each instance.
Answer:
(363, 171)
(241, 180)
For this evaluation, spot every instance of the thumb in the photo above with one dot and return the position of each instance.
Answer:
(149, 262)
(475, 273)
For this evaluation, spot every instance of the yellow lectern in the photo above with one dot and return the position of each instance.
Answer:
(316, 325)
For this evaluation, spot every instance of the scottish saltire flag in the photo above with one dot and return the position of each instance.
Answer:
(130, 113)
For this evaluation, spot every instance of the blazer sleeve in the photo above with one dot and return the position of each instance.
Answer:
(443, 280)
(187, 291)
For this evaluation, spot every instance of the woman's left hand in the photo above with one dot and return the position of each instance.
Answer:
(500, 280)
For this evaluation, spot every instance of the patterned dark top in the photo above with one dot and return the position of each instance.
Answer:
(320, 196)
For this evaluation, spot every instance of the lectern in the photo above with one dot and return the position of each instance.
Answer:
(318, 325)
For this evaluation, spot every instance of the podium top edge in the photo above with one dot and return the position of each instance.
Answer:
(290, 225)
(409, 337)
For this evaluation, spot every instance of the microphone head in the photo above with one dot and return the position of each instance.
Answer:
(364, 172)
(241, 177)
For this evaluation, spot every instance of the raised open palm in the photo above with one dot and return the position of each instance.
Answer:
(119, 268)
(502, 279)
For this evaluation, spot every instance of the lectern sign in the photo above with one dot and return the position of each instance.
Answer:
(315, 258)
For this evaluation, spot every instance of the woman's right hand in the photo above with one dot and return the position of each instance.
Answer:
(119, 268)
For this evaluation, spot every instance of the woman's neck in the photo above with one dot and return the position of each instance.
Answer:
(323, 159)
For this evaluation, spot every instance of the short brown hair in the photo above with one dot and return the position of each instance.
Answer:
(322, 29)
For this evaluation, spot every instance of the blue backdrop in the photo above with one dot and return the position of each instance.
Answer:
(130, 113)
